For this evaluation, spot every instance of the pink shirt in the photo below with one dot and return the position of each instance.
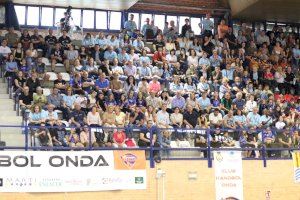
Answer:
(154, 87)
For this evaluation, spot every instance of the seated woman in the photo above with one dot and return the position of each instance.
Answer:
(131, 100)
(110, 100)
(77, 66)
(92, 99)
(176, 119)
(11, 67)
(93, 118)
(73, 140)
(19, 82)
(141, 101)
(91, 68)
(119, 138)
(150, 114)
(120, 117)
(35, 117)
(85, 139)
(109, 117)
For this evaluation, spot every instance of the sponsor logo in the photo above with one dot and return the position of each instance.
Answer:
(139, 180)
(1, 182)
(54, 161)
(20, 182)
(50, 182)
(129, 160)
(219, 157)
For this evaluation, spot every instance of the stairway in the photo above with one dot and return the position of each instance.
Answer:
(11, 135)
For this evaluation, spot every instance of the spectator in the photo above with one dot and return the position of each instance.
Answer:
(4, 50)
(39, 98)
(11, 67)
(11, 37)
(222, 29)
(78, 117)
(43, 136)
(206, 26)
(87, 138)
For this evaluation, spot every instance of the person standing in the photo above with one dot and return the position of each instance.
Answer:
(130, 25)
(206, 26)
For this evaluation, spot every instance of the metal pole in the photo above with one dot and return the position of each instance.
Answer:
(152, 164)
(90, 138)
(26, 136)
(264, 151)
(209, 160)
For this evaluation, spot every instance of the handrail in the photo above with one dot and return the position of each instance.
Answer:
(151, 149)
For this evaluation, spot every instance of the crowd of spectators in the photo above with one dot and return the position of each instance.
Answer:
(238, 89)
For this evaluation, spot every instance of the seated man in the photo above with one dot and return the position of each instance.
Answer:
(25, 100)
(59, 135)
(50, 116)
(190, 117)
(57, 56)
(57, 101)
(163, 117)
(148, 136)
(71, 55)
(78, 117)
(43, 136)
(215, 118)
(138, 45)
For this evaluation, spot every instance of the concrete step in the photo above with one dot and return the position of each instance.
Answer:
(4, 96)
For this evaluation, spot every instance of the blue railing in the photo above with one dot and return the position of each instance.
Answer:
(29, 144)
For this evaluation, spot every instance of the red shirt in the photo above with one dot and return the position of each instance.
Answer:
(119, 137)
(269, 75)
(159, 56)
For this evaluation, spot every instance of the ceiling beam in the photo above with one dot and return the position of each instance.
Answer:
(182, 7)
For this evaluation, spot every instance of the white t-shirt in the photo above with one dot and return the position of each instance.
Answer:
(163, 117)
(215, 119)
(5, 50)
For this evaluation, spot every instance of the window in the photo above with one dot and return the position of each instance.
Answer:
(144, 17)
(170, 18)
(182, 22)
(76, 15)
(47, 16)
(59, 13)
(195, 25)
(33, 16)
(20, 11)
(101, 20)
(2, 15)
(136, 18)
(270, 26)
(88, 19)
(115, 20)
(159, 21)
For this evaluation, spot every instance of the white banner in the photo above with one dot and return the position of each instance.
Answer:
(296, 162)
(228, 175)
(71, 171)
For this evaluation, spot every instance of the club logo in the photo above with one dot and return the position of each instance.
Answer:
(139, 180)
(219, 157)
(129, 160)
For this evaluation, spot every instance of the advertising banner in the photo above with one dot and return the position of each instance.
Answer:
(228, 175)
(71, 171)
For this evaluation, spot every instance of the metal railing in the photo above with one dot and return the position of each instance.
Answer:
(152, 151)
